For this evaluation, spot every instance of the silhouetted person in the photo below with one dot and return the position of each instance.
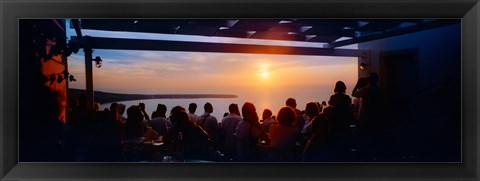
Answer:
(311, 111)
(113, 111)
(248, 133)
(371, 118)
(210, 124)
(160, 123)
(284, 136)
(324, 104)
(194, 138)
(192, 107)
(343, 117)
(299, 121)
(228, 127)
(267, 120)
(319, 147)
(341, 104)
(107, 138)
(156, 112)
(357, 104)
(120, 111)
(134, 127)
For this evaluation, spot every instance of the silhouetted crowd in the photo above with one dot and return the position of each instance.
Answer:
(337, 130)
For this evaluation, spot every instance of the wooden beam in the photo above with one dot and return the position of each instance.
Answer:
(89, 73)
(77, 27)
(401, 31)
(165, 45)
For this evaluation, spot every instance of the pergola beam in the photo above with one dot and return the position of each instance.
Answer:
(401, 31)
(165, 45)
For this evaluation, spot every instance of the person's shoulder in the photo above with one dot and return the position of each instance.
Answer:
(155, 119)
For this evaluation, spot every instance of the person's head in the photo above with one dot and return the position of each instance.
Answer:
(225, 114)
(324, 103)
(175, 112)
(120, 108)
(312, 109)
(291, 102)
(249, 112)
(233, 108)
(373, 78)
(362, 82)
(192, 107)
(180, 117)
(266, 114)
(329, 111)
(161, 110)
(134, 114)
(208, 107)
(286, 116)
(340, 87)
(113, 107)
(177, 109)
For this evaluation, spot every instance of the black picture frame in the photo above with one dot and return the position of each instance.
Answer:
(12, 11)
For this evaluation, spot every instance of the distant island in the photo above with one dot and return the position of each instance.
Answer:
(107, 97)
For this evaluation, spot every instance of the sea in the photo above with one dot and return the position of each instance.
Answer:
(262, 99)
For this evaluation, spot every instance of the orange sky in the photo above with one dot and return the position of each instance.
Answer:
(190, 72)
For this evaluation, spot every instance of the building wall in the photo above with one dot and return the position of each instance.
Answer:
(42, 89)
(430, 121)
(439, 53)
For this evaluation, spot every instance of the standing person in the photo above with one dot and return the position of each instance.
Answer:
(267, 120)
(342, 119)
(248, 133)
(192, 107)
(160, 123)
(357, 104)
(210, 124)
(299, 121)
(341, 104)
(228, 128)
(284, 136)
(371, 119)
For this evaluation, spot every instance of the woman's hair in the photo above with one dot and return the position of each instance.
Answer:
(340, 87)
(312, 109)
(249, 112)
(177, 109)
(286, 116)
(182, 117)
(266, 114)
(134, 114)
(175, 114)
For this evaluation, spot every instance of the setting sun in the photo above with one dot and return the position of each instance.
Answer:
(264, 74)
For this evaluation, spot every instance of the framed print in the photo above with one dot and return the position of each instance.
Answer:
(239, 90)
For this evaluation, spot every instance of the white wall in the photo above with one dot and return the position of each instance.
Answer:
(439, 52)
(429, 126)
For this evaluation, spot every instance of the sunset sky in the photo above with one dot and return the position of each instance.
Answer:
(195, 72)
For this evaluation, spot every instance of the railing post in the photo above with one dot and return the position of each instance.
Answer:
(88, 73)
